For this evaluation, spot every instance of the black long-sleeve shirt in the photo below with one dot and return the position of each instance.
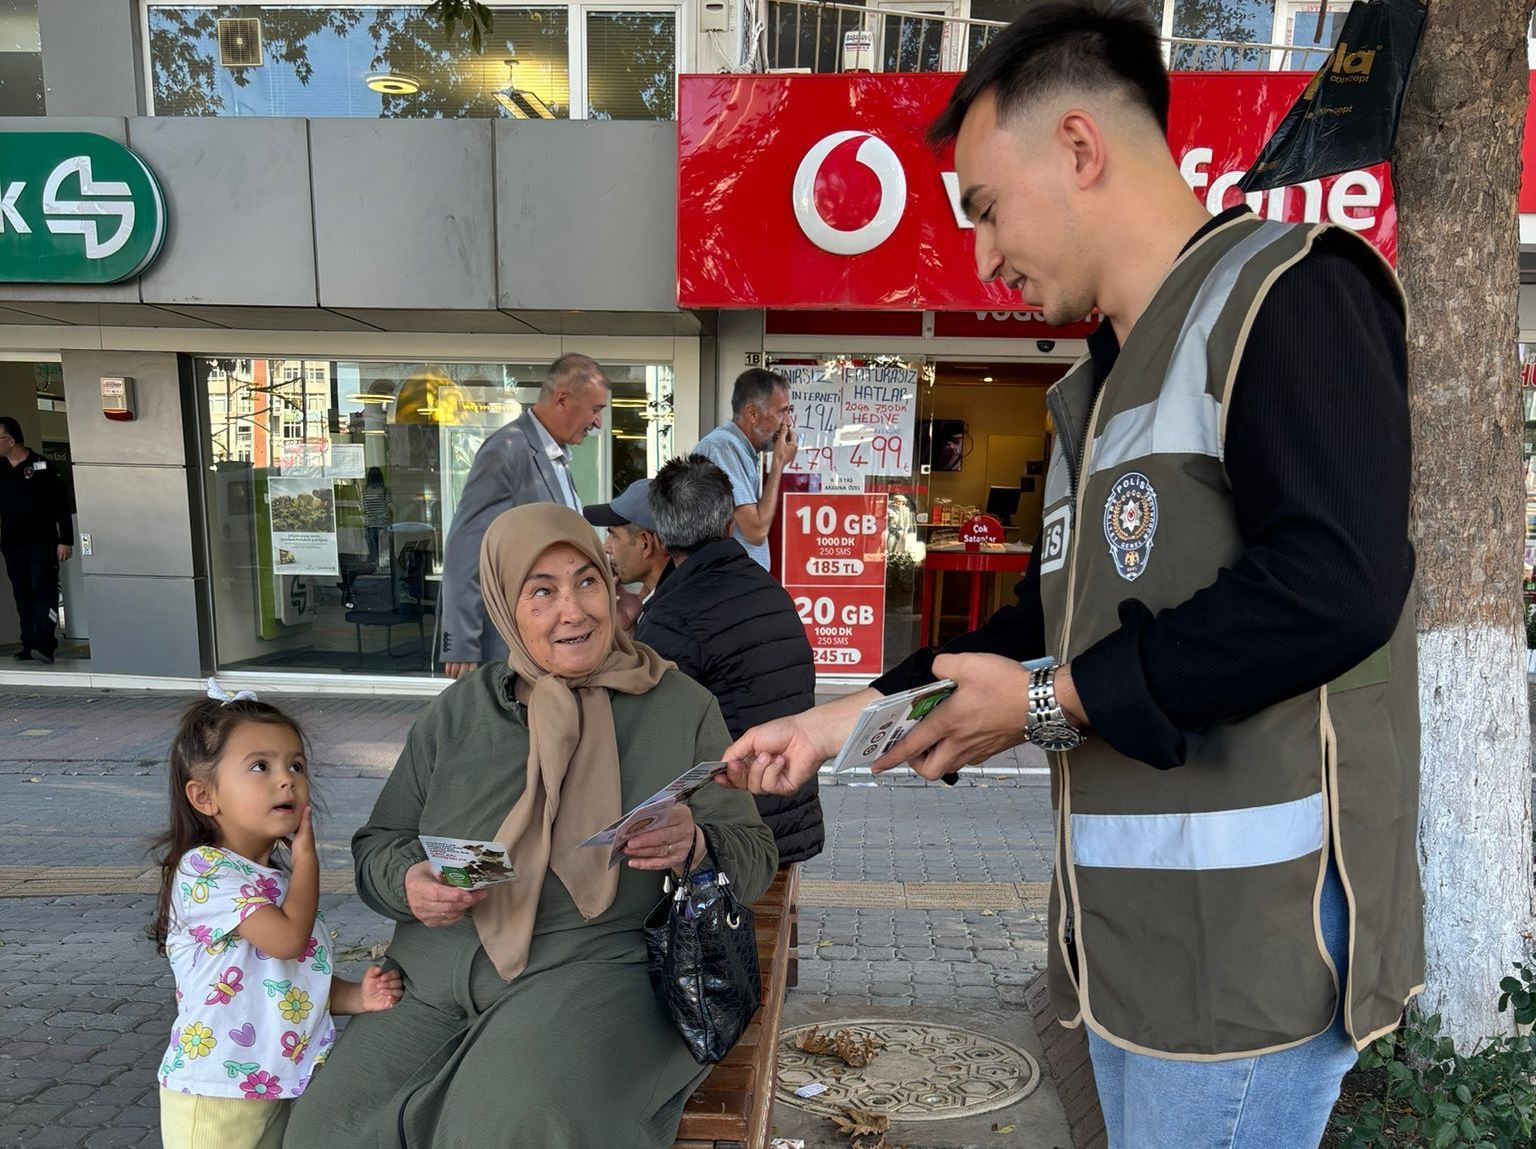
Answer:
(34, 504)
(1318, 452)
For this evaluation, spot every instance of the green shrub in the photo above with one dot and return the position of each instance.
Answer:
(1436, 1098)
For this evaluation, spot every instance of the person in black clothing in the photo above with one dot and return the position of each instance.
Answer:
(729, 625)
(36, 535)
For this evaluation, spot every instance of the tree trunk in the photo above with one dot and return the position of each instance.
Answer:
(1457, 175)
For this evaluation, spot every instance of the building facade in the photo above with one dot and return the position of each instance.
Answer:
(375, 239)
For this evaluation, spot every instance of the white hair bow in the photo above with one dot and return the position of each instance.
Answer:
(219, 694)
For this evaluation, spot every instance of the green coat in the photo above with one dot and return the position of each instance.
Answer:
(576, 1052)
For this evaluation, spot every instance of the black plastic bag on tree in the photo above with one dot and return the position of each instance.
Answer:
(1347, 117)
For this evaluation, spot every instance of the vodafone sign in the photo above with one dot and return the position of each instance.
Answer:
(818, 192)
(875, 154)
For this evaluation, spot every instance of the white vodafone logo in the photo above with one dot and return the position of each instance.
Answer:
(875, 154)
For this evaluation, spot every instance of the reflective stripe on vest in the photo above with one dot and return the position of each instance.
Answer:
(1219, 840)
(1057, 479)
(1173, 425)
(1185, 419)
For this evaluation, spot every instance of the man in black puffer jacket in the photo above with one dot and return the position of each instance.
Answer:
(730, 626)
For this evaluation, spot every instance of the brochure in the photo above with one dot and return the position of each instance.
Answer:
(885, 722)
(653, 810)
(468, 864)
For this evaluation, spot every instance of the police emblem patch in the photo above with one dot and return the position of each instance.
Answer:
(1130, 522)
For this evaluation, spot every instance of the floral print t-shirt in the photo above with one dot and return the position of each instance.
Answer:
(248, 1025)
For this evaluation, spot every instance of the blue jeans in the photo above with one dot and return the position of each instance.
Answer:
(1277, 1101)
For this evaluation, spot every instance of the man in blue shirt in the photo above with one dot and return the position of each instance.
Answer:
(760, 424)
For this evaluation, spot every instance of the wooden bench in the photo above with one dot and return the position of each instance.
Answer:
(733, 1108)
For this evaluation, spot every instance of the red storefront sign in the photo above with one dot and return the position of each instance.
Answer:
(834, 569)
(1528, 157)
(1004, 325)
(818, 191)
(981, 531)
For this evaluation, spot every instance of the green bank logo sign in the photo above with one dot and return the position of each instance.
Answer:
(75, 208)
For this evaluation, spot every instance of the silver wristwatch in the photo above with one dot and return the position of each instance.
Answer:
(1046, 725)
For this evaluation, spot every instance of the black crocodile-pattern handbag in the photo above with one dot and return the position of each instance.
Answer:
(701, 950)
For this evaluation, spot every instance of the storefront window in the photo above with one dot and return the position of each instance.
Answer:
(897, 454)
(1239, 21)
(393, 62)
(1007, 11)
(909, 42)
(1303, 30)
(332, 485)
(631, 65)
(810, 36)
(21, 59)
(850, 549)
(924, 35)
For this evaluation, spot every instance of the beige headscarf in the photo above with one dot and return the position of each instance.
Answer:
(573, 755)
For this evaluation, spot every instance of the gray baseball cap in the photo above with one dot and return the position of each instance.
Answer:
(632, 507)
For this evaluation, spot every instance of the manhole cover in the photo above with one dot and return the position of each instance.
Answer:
(924, 1073)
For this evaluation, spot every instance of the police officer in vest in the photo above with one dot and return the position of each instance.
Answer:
(1215, 640)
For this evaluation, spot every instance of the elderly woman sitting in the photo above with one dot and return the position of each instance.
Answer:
(528, 1016)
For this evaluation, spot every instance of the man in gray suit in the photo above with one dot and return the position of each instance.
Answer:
(527, 461)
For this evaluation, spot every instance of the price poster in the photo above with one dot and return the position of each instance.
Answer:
(834, 570)
(853, 422)
(816, 394)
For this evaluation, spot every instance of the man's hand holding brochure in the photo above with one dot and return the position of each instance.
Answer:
(986, 713)
(886, 721)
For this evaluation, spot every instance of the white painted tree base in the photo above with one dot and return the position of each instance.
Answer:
(1474, 823)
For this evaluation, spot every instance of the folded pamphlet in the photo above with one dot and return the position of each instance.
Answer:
(653, 810)
(888, 720)
(467, 863)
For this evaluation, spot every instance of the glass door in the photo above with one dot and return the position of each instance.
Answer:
(850, 528)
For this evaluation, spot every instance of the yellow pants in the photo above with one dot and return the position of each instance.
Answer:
(190, 1122)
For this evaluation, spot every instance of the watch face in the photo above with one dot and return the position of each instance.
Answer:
(1043, 663)
(1057, 737)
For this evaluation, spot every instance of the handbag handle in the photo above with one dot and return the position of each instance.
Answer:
(667, 884)
(679, 888)
(732, 906)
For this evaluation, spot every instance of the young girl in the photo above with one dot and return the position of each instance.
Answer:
(254, 989)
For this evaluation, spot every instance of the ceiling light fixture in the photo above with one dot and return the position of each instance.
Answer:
(393, 84)
(522, 104)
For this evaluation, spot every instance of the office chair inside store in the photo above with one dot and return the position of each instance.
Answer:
(395, 598)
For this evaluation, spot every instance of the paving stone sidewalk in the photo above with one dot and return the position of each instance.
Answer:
(85, 1004)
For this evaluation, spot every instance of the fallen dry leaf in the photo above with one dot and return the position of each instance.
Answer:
(996, 1128)
(864, 1129)
(845, 1045)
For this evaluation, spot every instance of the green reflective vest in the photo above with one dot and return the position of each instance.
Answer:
(1184, 907)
